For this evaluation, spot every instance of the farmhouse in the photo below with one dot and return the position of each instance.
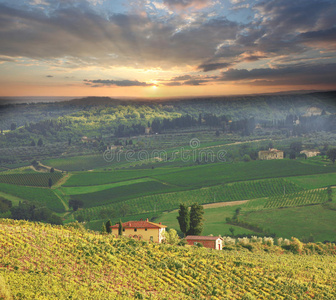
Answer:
(213, 242)
(142, 230)
(270, 154)
(310, 153)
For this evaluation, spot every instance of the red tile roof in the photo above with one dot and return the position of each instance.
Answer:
(202, 238)
(139, 224)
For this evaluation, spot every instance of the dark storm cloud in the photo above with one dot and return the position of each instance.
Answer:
(287, 75)
(83, 37)
(100, 82)
(214, 66)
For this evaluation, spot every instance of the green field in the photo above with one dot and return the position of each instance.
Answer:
(222, 193)
(314, 181)
(298, 199)
(31, 178)
(77, 190)
(300, 222)
(220, 173)
(78, 163)
(99, 178)
(35, 194)
(121, 193)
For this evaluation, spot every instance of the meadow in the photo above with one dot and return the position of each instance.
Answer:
(42, 195)
(49, 262)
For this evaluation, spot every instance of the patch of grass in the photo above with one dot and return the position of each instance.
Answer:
(296, 221)
(99, 178)
(215, 221)
(77, 163)
(120, 193)
(314, 181)
(34, 194)
(96, 188)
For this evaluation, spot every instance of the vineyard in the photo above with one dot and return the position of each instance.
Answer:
(298, 199)
(49, 262)
(170, 201)
(31, 179)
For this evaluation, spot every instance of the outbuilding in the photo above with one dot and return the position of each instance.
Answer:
(213, 242)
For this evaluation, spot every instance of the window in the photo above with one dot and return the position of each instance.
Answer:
(123, 229)
(151, 239)
(135, 229)
(145, 229)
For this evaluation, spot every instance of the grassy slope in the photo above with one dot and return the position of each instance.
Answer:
(300, 222)
(223, 172)
(42, 195)
(314, 181)
(45, 262)
(214, 221)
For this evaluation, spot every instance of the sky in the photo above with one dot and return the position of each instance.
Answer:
(166, 48)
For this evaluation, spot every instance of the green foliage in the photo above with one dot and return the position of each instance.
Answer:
(75, 204)
(184, 218)
(5, 205)
(331, 154)
(120, 228)
(196, 219)
(171, 237)
(34, 212)
(108, 226)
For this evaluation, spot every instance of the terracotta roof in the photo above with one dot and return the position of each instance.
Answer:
(202, 238)
(139, 224)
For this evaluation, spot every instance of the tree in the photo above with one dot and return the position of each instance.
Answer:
(52, 170)
(103, 229)
(124, 209)
(40, 142)
(232, 230)
(296, 146)
(120, 228)
(50, 183)
(196, 219)
(184, 218)
(171, 237)
(217, 133)
(75, 204)
(69, 141)
(331, 154)
(13, 126)
(108, 226)
(33, 144)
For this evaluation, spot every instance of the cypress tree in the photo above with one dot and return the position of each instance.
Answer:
(120, 229)
(196, 219)
(184, 218)
(108, 226)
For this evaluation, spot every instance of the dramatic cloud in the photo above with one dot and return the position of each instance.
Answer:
(215, 66)
(99, 83)
(288, 75)
(150, 39)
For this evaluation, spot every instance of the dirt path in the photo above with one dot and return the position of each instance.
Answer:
(62, 181)
(221, 204)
